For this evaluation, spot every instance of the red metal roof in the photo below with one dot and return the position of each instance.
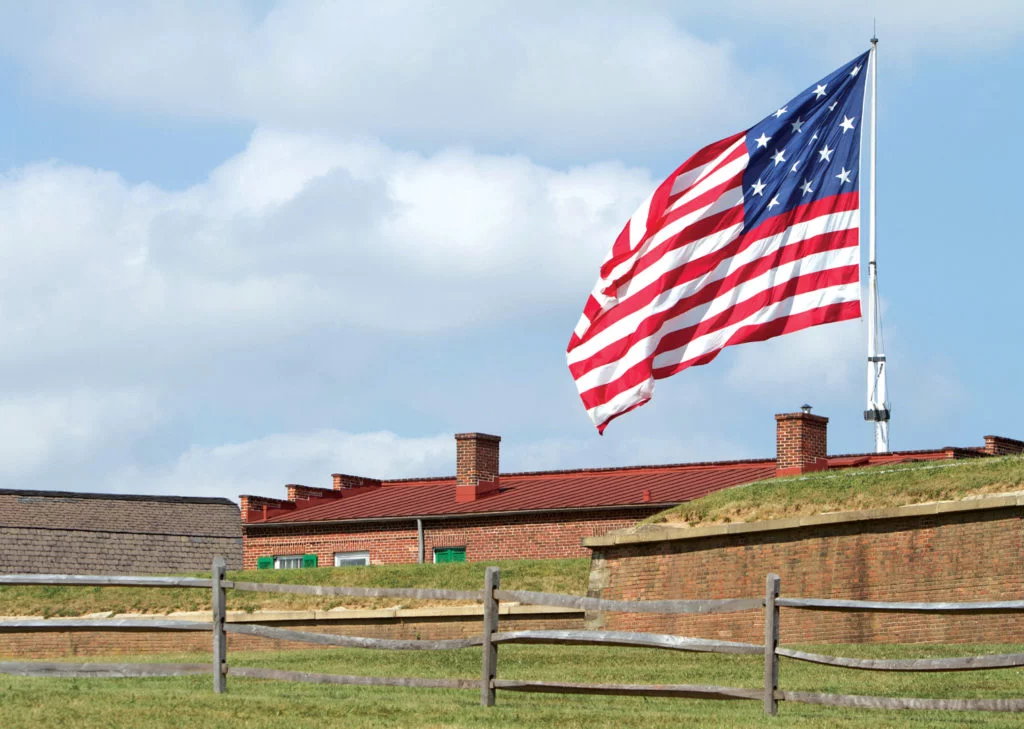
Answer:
(563, 490)
(554, 490)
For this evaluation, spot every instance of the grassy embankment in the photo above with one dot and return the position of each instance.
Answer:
(850, 489)
(548, 575)
(166, 703)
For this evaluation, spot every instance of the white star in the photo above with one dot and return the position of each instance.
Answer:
(820, 91)
(806, 187)
(847, 123)
(844, 176)
(793, 168)
(779, 156)
(774, 202)
(797, 124)
(826, 154)
(779, 113)
(855, 71)
(762, 141)
(832, 106)
(814, 137)
(758, 187)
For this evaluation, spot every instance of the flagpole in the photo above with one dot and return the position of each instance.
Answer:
(877, 397)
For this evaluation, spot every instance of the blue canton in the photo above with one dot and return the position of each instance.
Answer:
(809, 148)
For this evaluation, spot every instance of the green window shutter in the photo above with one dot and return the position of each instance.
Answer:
(309, 560)
(449, 554)
(265, 563)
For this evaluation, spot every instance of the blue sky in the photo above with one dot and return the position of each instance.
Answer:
(249, 244)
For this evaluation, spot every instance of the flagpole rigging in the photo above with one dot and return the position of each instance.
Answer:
(877, 396)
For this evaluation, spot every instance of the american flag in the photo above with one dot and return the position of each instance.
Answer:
(754, 236)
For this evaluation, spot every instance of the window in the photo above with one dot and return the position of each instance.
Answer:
(449, 554)
(289, 562)
(351, 559)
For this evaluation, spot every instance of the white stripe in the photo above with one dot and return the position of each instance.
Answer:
(727, 200)
(638, 223)
(827, 223)
(788, 307)
(674, 259)
(713, 342)
(623, 401)
(644, 348)
(718, 177)
(688, 178)
(639, 243)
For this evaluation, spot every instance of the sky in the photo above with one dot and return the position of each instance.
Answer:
(244, 244)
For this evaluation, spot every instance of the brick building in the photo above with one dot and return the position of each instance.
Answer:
(482, 514)
(63, 532)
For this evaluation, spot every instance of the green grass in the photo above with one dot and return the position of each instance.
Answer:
(163, 703)
(850, 489)
(545, 575)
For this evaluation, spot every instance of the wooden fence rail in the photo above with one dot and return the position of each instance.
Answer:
(491, 638)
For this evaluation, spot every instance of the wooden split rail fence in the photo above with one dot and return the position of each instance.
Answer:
(492, 637)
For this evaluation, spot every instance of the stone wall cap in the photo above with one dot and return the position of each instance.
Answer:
(666, 533)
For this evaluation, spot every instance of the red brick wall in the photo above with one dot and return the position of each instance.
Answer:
(485, 538)
(960, 556)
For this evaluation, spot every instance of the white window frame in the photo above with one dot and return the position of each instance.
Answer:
(284, 561)
(348, 559)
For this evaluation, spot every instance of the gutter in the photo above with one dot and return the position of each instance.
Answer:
(452, 517)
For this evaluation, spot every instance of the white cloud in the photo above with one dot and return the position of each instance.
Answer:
(826, 359)
(262, 466)
(525, 75)
(561, 80)
(50, 430)
(301, 244)
(295, 232)
(906, 27)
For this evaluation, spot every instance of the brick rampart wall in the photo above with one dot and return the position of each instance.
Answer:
(94, 643)
(953, 556)
(485, 538)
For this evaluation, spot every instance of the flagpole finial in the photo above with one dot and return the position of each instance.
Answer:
(874, 32)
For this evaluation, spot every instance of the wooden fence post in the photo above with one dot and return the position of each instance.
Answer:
(771, 642)
(492, 579)
(218, 609)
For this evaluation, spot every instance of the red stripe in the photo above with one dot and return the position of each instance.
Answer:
(621, 248)
(785, 254)
(755, 333)
(698, 267)
(701, 228)
(783, 325)
(773, 226)
(740, 151)
(642, 370)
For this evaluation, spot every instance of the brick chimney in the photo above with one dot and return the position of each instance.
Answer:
(346, 482)
(801, 443)
(996, 445)
(476, 465)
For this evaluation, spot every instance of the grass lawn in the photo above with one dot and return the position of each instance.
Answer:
(850, 489)
(543, 575)
(163, 703)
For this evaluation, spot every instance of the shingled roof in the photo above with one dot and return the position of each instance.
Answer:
(65, 531)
